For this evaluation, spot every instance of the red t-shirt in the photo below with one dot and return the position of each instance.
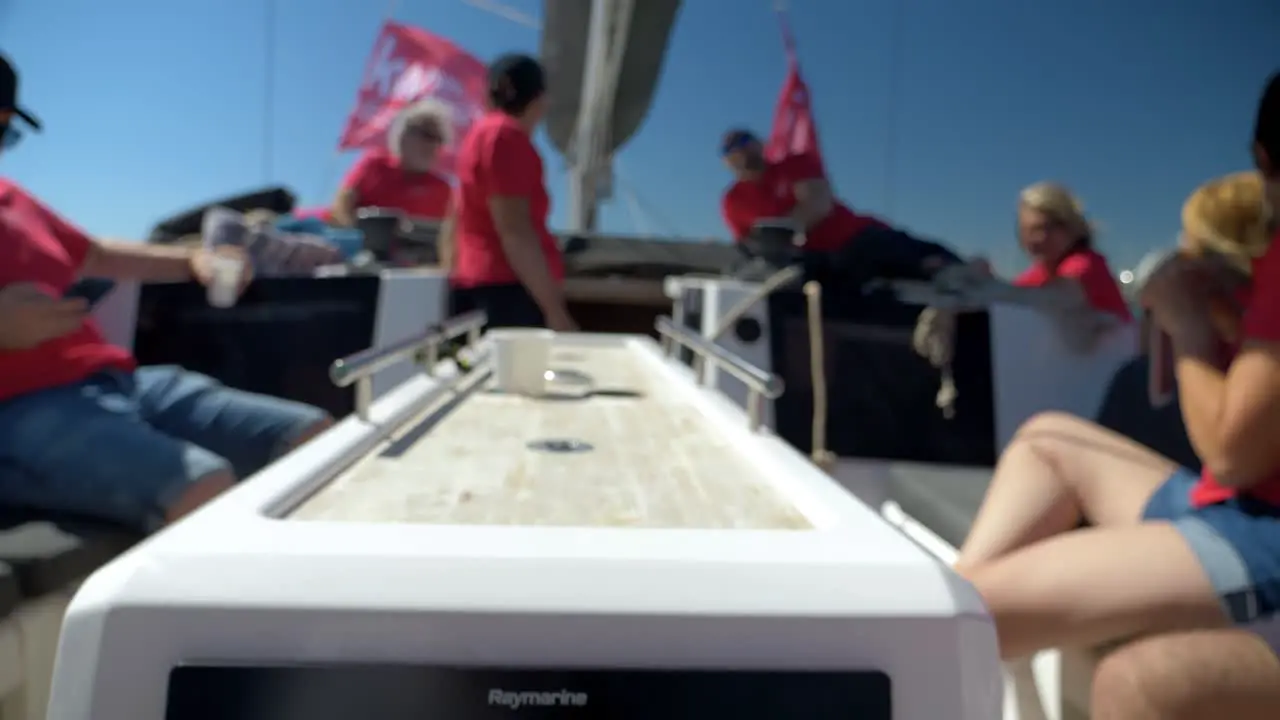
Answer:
(1088, 268)
(37, 246)
(772, 195)
(379, 181)
(497, 159)
(1261, 321)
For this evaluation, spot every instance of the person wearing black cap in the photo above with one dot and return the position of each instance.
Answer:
(10, 110)
(794, 188)
(505, 260)
(82, 429)
(1230, 672)
(794, 191)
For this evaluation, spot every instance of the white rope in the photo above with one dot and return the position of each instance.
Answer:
(968, 287)
(821, 457)
(817, 354)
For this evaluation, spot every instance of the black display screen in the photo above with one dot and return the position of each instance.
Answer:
(400, 692)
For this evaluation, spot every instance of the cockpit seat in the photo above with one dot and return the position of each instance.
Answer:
(945, 499)
(43, 559)
(49, 553)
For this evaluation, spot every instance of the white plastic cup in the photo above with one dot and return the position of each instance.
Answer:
(227, 272)
(521, 357)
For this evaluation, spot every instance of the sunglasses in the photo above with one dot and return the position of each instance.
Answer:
(735, 143)
(9, 136)
(428, 135)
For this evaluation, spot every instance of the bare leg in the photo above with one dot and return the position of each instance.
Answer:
(1195, 675)
(1096, 585)
(1058, 470)
(210, 487)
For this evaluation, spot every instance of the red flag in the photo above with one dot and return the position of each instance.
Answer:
(794, 131)
(409, 64)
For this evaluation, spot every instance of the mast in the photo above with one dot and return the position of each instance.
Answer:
(591, 170)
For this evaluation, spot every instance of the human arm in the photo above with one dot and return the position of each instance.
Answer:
(1231, 410)
(738, 223)
(347, 200)
(122, 260)
(343, 211)
(515, 170)
(29, 315)
(116, 259)
(446, 244)
(811, 190)
(523, 249)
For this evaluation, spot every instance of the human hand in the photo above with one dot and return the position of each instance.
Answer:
(1179, 296)
(206, 263)
(30, 316)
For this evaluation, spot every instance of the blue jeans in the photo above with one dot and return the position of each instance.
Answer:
(123, 447)
(1237, 543)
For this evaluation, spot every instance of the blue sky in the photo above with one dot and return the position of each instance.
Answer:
(152, 106)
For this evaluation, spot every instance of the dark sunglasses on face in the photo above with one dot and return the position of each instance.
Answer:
(735, 143)
(427, 135)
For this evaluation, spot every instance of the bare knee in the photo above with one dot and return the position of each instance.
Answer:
(198, 493)
(1051, 427)
(1127, 686)
(1192, 675)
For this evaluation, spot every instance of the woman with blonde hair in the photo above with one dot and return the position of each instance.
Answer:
(1166, 548)
(1226, 226)
(1054, 232)
(1232, 409)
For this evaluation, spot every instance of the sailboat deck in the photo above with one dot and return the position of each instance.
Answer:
(642, 456)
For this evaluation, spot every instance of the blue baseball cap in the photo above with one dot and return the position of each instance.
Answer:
(736, 140)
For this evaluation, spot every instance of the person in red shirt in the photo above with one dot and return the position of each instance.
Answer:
(841, 247)
(505, 260)
(794, 188)
(1166, 548)
(84, 431)
(401, 177)
(1055, 234)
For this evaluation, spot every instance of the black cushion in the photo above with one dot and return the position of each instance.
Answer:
(943, 498)
(1127, 410)
(48, 553)
(10, 597)
(278, 340)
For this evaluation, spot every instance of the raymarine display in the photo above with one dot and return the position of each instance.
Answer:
(391, 692)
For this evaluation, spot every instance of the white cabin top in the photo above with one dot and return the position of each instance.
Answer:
(438, 504)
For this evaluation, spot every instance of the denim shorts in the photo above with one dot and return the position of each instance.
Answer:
(123, 447)
(1237, 542)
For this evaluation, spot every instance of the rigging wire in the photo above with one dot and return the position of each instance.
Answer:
(505, 12)
(331, 168)
(269, 91)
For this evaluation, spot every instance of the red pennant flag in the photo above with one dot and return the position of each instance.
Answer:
(409, 64)
(794, 131)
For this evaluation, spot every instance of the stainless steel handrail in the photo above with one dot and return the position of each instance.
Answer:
(760, 383)
(359, 368)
